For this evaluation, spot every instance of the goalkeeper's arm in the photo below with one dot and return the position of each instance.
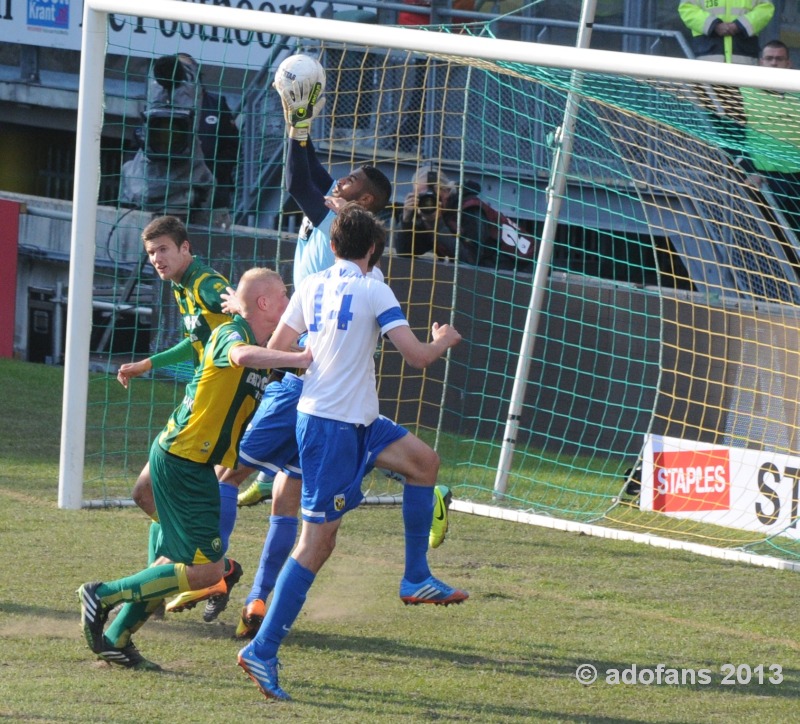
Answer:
(318, 174)
(306, 187)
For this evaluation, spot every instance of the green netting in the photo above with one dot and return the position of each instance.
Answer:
(671, 307)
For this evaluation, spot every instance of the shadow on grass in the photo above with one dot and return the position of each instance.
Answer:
(541, 663)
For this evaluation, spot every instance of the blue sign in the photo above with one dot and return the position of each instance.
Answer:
(51, 14)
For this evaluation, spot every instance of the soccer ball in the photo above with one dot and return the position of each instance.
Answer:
(299, 67)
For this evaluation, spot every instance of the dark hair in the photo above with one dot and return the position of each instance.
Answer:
(354, 231)
(775, 44)
(379, 186)
(191, 62)
(170, 226)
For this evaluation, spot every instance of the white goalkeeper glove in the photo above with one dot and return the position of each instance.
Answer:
(301, 105)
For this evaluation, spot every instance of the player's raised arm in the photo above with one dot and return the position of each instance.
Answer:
(300, 82)
(422, 354)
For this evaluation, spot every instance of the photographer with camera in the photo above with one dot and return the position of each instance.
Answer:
(188, 147)
(430, 218)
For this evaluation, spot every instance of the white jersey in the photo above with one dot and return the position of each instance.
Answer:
(343, 311)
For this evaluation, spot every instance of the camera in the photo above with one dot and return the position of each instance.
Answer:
(426, 200)
(168, 133)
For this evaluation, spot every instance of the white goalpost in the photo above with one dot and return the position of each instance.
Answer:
(446, 47)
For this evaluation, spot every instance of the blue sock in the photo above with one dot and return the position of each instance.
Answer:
(227, 512)
(290, 595)
(417, 519)
(277, 547)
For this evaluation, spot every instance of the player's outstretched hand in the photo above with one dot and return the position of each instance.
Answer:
(230, 302)
(132, 369)
(446, 333)
(335, 203)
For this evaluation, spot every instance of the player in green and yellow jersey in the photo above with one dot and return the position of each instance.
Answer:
(197, 289)
(203, 432)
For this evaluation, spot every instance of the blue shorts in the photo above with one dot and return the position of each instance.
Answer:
(335, 457)
(270, 442)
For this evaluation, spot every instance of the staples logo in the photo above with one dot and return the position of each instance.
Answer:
(692, 480)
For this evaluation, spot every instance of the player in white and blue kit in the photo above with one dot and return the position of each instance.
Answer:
(341, 434)
(269, 442)
(270, 446)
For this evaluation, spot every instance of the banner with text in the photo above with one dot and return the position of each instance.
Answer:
(733, 487)
(57, 24)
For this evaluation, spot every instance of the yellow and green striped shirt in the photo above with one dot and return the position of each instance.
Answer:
(219, 401)
(200, 304)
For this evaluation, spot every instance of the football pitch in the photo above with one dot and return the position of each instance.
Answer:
(661, 636)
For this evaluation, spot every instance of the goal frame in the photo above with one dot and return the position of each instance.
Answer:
(90, 121)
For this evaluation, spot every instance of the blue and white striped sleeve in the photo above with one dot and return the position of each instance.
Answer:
(388, 313)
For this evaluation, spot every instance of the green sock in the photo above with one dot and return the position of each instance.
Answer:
(131, 617)
(153, 583)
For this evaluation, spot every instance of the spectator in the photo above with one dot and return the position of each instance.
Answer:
(773, 137)
(188, 147)
(728, 31)
(430, 218)
(219, 139)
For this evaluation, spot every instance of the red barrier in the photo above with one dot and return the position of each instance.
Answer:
(9, 240)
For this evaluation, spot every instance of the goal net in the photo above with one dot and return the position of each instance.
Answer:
(630, 360)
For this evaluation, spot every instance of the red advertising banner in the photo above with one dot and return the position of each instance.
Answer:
(690, 480)
(9, 241)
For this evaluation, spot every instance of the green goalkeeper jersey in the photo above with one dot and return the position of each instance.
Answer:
(219, 401)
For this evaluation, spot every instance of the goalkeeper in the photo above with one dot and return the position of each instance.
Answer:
(318, 196)
(313, 188)
(269, 444)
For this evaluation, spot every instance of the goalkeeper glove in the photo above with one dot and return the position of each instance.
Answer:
(301, 105)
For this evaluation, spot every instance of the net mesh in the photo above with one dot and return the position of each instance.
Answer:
(671, 308)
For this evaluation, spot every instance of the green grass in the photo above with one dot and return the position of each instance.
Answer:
(541, 604)
(121, 425)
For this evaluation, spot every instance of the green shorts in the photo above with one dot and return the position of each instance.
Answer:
(187, 501)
